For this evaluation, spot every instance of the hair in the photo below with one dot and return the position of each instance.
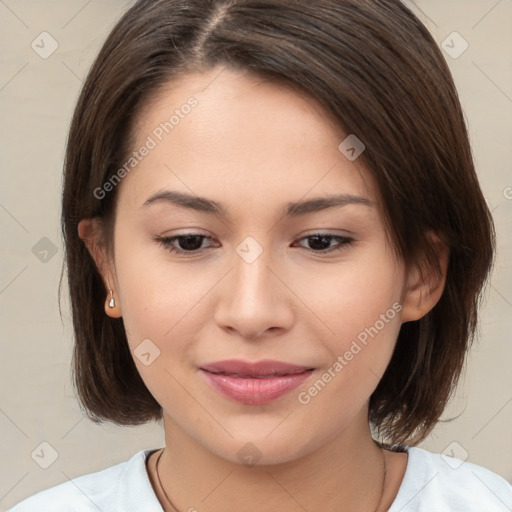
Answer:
(378, 72)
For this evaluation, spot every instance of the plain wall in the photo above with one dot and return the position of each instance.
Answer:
(37, 97)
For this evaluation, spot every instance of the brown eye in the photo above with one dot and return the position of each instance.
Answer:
(189, 243)
(321, 242)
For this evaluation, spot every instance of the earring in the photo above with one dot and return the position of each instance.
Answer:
(111, 302)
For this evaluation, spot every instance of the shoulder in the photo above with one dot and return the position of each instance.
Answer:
(123, 487)
(438, 482)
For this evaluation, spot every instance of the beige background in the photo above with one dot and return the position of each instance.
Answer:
(37, 96)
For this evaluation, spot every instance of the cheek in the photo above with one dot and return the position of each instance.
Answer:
(362, 309)
(354, 295)
(164, 302)
(159, 307)
(154, 293)
(368, 303)
(146, 306)
(366, 327)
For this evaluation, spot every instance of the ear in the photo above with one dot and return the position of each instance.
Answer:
(423, 290)
(90, 231)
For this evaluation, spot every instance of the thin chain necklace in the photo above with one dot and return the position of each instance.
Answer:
(174, 509)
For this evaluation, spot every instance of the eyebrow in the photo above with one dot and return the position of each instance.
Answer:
(292, 209)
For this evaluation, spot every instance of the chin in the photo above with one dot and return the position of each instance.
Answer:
(258, 445)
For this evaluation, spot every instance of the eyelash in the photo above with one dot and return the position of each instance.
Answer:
(166, 242)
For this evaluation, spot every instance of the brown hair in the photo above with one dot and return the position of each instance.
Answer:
(377, 70)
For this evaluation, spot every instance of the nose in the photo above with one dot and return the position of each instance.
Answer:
(254, 299)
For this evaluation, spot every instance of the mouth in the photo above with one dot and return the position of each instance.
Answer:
(255, 383)
(252, 370)
(243, 376)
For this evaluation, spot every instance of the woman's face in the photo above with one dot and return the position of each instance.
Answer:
(253, 283)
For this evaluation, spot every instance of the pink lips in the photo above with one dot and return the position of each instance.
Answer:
(254, 383)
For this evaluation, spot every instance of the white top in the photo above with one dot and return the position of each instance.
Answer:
(431, 483)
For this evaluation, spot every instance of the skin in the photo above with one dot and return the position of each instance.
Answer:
(254, 146)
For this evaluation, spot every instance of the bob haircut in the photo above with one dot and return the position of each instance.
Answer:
(379, 74)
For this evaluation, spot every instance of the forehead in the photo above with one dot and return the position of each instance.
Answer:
(232, 135)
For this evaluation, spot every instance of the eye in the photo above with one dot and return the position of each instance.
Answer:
(191, 243)
(320, 243)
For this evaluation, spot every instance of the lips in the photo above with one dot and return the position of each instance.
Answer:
(261, 369)
(254, 383)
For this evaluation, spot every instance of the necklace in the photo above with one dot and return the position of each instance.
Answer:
(169, 502)
(383, 479)
(174, 509)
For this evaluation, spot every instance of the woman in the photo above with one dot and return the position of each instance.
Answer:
(276, 243)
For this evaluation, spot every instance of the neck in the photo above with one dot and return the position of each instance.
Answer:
(346, 473)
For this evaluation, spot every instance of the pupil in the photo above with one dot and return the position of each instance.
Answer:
(186, 245)
(326, 239)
